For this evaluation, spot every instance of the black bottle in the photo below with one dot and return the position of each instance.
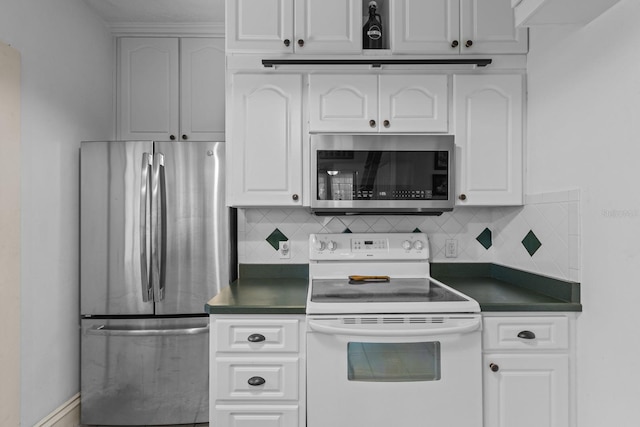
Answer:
(372, 35)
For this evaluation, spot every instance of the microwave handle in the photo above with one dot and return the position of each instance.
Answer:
(377, 332)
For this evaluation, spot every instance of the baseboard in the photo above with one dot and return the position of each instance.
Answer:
(66, 415)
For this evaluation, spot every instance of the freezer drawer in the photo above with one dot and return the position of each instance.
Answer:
(145, 371)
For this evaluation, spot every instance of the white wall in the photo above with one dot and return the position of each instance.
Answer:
(67, 79)
(584, 131)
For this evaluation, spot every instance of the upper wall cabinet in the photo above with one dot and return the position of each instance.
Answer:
(455, 27)
(378, 103)
(171, 89)
(265, 150)
(300, 26)
(488, 112)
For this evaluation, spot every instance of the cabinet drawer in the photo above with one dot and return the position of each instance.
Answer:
(256, 336)
(245, 378)
(255, 416)
(526, 333)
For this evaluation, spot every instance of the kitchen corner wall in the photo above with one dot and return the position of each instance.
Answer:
(542, 237)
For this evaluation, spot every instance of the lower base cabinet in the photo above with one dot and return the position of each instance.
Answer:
(527, 371)
(257, 371)
(256, 416)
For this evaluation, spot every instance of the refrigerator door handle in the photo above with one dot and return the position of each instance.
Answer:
(147, 290)
(104, 330)
(159, 250)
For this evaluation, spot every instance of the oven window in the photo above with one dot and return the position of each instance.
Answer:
(382, 175)
(394, 362)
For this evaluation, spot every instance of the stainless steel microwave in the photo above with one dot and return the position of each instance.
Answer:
(367, 174)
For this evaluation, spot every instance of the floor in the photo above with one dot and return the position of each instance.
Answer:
(164, 425)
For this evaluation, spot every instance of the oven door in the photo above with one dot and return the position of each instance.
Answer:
(388, 173)
(394, 370)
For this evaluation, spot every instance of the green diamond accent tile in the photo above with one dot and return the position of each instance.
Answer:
(275, 237)
(531, 243)
(484, 238)
(417, 230)
(346, 230)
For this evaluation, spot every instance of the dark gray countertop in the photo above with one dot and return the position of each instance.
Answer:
(282, 289)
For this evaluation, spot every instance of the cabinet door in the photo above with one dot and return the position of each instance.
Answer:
(343, 103)
(264, 154)
(202, 89)
(526, 390)
(259, 25)
(425, 27)
(488, 130)
(413, 103)
(490, 26)
(148, 88)
(328, 26)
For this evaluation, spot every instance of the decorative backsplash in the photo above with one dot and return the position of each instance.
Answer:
(541, 237)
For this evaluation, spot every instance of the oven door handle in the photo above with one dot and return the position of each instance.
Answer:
(408, 332)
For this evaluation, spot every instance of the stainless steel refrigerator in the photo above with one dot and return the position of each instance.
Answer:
(155, 247)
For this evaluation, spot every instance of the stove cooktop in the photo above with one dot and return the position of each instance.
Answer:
(395, 290)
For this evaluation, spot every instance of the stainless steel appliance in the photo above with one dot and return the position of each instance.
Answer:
(154, 248)
(386, 343)
(382, 173)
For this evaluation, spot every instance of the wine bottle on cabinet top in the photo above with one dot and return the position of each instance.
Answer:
(372, 34)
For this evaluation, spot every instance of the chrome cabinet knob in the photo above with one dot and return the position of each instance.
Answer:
(256, 338)
(462, 197)
(527, 335)
(386, 123)
(469, 43)
(372, 123)
(295, 197)
(494, 367)
(287, 42)
(256, 381)
(455, 43)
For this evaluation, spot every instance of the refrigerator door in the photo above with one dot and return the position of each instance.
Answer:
(114, 228)
(191, 243)
(144, 371)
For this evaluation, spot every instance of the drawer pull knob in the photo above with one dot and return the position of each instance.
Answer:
(494, 367)
(256, 381)
(256, 338)
(527, 335)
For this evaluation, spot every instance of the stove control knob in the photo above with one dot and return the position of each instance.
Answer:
(332, 246)
(319, 245)
(418, 245)
(406, 245)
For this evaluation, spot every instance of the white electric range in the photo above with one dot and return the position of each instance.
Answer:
(386, 343)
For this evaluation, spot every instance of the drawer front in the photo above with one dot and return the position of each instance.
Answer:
(255, 416)
(526, 333)
(241, 378)
(256, 335)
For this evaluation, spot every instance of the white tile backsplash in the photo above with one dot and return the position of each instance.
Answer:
(553, 217)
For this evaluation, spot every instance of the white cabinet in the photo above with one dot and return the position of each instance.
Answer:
(527, 373)
(170, 88)
(454, 27)
(488, 111)
(300, 26)
(378, 103)
(264, 154)
(257, 370)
